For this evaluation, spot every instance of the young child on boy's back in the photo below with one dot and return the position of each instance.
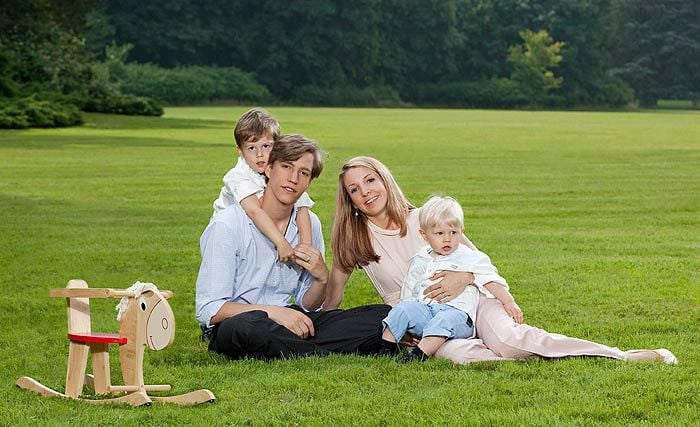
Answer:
(254, 134)
(442, 226)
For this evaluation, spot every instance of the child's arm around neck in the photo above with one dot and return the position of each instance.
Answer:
(252, 208)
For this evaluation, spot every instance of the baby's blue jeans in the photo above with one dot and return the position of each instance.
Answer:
(425, 320)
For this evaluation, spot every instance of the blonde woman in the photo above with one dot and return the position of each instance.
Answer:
(376, 228)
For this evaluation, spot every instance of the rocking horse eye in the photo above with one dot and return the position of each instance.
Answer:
(143, 306)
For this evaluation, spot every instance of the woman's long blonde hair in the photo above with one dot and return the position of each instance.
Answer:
(351, 241)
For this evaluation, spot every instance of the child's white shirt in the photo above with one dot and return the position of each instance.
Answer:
(242, 181)
(425, 264)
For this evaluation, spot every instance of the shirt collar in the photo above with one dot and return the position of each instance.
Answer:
(246, 167)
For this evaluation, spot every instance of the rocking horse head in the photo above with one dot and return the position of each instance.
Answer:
(159, 319)
(149, 319)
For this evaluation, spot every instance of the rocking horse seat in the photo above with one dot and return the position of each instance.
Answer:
(97, 338)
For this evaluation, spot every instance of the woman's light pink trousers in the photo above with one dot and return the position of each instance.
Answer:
(500, 338)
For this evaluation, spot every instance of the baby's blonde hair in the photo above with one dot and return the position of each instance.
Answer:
(441, 210)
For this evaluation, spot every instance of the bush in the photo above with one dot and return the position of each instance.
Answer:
(488, 93)
(119, 103)
(377, 95)
(599, 91)
(615, 92)
(191, 85)
(104, 99)
(31, 112)
(104, 96)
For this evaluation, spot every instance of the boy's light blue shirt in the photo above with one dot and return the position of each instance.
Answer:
(240, 264)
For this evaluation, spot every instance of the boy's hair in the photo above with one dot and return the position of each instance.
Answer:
(292, 147)
(254, 124)
(441, 210)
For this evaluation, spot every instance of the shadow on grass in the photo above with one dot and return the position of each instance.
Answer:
(52, 142)
(28, 139)
(112, 121)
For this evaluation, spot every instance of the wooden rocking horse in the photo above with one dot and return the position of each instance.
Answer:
(145, 320)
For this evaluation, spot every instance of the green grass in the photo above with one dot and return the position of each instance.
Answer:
(592, 217)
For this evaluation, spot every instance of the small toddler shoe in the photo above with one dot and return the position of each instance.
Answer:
(388, 348)
(415, 355)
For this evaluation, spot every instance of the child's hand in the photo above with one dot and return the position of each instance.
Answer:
(514, 311)
(285, 253)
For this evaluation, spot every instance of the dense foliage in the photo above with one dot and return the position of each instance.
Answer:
(377, 95)
(320, 46)
(47, 72)
(191, 84)
(20, 113)
(655, 47)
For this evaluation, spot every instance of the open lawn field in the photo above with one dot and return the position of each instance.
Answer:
(593, 217)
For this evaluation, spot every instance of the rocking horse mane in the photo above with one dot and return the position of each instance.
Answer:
(138, 288)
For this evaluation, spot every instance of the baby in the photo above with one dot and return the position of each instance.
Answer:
(442, 226)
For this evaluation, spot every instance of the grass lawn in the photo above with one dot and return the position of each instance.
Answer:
(592, 217)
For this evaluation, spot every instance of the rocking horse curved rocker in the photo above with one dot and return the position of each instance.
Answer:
(145, 320)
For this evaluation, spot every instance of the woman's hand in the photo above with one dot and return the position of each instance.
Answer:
(449, 285)
(514, 311)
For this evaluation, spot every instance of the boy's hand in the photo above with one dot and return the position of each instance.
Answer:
(285, 252)
(514, 311)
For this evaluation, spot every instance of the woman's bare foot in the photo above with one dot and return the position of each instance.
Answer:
(661, 354)
(666, 356)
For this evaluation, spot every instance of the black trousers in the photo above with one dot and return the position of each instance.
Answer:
(253, 334)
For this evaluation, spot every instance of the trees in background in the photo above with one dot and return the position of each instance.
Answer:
(42, 66)
(655, 48)
(363, 52)
(47, 73)
(532, 63)
(295, 46)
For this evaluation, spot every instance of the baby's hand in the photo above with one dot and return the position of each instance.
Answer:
(285, 253)
(409, 340)
(514, 312)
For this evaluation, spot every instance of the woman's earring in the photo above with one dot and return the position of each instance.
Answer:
(356, 213)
